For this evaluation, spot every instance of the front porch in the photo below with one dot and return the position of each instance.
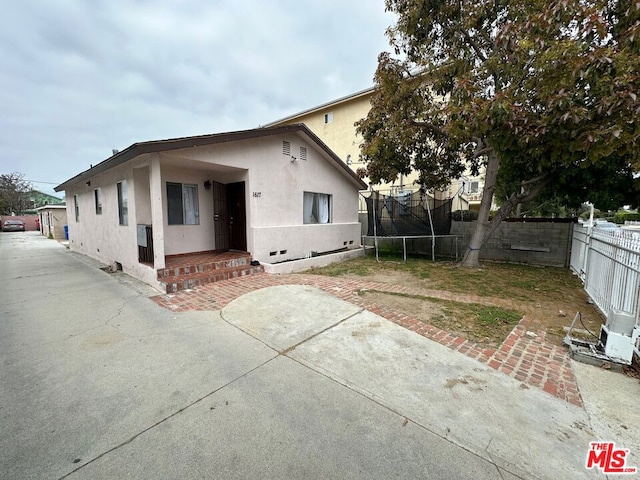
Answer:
(187, 271)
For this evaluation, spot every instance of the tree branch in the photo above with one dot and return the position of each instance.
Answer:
(479, 152)
(479, 141)
(536, 185)
(474, 45)
(430, 126)
(536, 179)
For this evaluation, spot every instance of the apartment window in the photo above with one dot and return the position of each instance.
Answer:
(316, 208)
(474, 187)
(76, 207)
(182, 204)
(97, 197)
(123, 210)
(328, 117)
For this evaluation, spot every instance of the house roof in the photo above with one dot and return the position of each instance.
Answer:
(157, 146)
(48, 207)
(38, 192)
(332, 103)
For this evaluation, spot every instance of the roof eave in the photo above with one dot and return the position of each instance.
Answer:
(321, 107)
(156, 146)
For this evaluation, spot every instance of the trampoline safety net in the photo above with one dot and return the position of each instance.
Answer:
(408, 215)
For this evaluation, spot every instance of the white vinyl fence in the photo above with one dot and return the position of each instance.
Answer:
(608, 263)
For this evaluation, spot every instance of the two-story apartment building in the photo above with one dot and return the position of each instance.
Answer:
(334, 122)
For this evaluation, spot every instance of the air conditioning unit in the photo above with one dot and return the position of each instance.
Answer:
(619, 335)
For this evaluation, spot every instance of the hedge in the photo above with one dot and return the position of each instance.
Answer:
(620, 217)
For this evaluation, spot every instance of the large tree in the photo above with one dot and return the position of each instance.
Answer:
(14, 193)
(608, 185)
(522, 90)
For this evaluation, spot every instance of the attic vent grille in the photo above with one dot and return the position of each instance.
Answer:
(286, 148)
(303, 153)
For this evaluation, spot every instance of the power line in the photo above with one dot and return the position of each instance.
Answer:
(48, 183)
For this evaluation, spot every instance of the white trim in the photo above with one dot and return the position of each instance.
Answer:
(353, 96)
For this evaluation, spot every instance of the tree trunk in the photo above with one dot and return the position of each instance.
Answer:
(530, 189)
(472, 255)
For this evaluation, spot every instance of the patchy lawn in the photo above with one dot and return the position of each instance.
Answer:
(494, 297)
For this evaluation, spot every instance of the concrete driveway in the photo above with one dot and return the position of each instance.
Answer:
(97, 381)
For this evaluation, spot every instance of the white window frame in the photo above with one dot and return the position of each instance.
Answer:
(76, 208)
(328, 117)
(188, 202)
(123, 207)
(97, 199)
(317, 208)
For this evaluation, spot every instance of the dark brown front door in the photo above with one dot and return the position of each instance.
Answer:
(229, 216)
(237, 216)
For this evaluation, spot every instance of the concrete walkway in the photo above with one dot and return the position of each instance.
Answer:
(522, 430)
(526, 355)
(97, 381)
(289, 381)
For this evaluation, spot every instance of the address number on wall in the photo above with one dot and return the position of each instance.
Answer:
(257, 194)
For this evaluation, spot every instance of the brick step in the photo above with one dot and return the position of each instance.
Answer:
(203, 267)
(176, 283)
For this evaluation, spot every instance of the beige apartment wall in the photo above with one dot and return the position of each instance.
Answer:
(340, 135)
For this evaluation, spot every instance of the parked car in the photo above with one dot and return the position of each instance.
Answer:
(13, 226)
(605, 225)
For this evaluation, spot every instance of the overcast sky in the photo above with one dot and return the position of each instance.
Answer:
(81, 77)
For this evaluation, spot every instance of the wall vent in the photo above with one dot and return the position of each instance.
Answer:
(286, 148)
(303, 153)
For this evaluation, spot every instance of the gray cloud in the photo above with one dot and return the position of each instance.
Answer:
(80, 78)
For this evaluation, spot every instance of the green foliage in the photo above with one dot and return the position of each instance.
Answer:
(621, 217)
(14, 193)
(545, 93)
(607, 184)
(464, 215)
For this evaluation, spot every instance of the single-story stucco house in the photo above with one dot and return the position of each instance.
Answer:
(277, 193)
(53, 219)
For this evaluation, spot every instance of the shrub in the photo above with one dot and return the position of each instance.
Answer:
(620, 217)
(464, 215)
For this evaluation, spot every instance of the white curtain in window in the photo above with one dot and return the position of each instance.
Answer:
(308, 208)
(190, 202)
(323, 208)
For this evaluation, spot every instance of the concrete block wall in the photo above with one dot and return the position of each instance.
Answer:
(533, 242)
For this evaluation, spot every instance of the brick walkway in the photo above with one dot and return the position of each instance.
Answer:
(525, 354)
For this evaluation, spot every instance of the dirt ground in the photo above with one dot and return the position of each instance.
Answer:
(550, 296)
(453, 317)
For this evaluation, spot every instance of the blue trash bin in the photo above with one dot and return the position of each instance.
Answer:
(66, 232)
